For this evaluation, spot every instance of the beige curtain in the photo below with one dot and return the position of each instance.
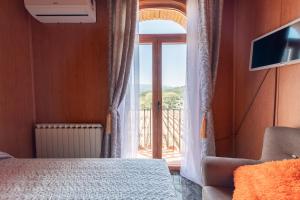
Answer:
(123, 16)
(203, 40)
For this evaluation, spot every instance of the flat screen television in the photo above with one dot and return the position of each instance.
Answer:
(277, 48)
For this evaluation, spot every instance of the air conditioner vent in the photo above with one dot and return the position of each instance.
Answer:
(62, 11)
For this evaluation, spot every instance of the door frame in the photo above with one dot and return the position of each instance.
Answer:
(157, 40)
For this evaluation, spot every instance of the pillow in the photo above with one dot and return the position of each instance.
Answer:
(4, 155)
(279, 180)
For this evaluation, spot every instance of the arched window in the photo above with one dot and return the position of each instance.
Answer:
(179, 5)
(165, 15)
(161, 27)
(162, 51)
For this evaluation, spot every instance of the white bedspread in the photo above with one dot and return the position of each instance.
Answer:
(85, 179)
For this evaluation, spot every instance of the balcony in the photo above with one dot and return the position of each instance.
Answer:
(171, 135)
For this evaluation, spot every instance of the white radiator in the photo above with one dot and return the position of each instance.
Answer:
(68, 140)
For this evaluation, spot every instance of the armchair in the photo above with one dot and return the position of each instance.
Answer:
(279, 143)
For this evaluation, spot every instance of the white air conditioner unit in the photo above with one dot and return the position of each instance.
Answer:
(62, 11)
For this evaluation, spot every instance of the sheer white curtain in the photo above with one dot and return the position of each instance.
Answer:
(203, 38)
(129, 109)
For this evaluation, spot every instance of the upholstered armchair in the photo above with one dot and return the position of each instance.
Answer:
(279, 143)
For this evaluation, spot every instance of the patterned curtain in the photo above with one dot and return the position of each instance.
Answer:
(123, 16)
(203, 39)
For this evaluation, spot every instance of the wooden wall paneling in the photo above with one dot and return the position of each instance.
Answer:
(16, 81)
(242, 40)
(252, 19)
(267, 16)
(250, 137)
(288, 110)
(290, 11)
(248, 14)
(288, 79)
(224, 147)
(71, 70)
(222, 102)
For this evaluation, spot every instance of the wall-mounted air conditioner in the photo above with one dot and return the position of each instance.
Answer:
(62, 11)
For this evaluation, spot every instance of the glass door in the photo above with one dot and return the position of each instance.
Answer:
(173, 84)
(162, 81)
(145, 147)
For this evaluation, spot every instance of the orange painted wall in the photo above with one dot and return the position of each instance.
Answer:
(16, 82)
(267, 97)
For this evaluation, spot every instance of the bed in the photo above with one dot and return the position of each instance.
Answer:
(85, 179)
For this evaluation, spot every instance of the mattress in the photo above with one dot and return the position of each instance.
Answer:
(85, 179)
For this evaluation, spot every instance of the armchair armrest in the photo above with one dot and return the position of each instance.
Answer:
(218, 171)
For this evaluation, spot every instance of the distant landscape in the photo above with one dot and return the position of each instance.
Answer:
(172, 97)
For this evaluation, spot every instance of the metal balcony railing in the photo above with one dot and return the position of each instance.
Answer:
(172, 121)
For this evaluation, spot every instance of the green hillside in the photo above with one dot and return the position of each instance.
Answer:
(172, 98)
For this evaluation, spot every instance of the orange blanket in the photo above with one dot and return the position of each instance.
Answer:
(277, 180)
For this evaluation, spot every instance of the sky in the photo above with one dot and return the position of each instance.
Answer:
(173, 55)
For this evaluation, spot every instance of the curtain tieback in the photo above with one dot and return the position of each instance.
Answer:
(108, 123)
(203, 133)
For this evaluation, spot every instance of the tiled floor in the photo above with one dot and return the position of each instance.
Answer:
(185, 189)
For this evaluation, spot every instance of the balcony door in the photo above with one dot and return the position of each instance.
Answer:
(162, 74)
